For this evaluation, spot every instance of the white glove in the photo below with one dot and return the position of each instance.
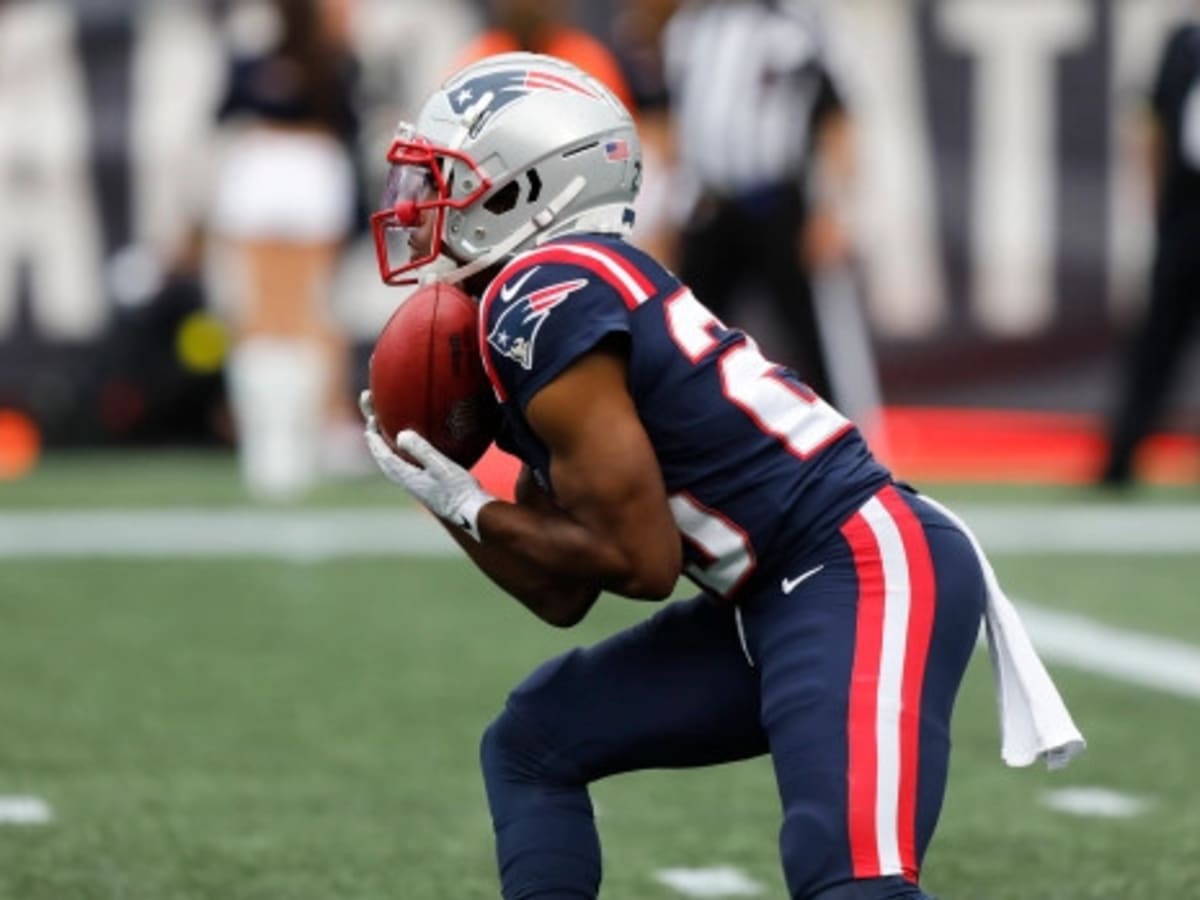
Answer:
(446, 489)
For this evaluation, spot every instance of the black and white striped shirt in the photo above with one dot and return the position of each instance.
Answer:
(748, 80)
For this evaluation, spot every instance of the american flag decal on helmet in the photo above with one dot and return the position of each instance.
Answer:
(616, 151)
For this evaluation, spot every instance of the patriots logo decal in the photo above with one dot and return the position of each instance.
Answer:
(498, 89)
(516, 330)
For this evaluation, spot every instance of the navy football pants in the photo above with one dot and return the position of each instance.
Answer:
(854, 676)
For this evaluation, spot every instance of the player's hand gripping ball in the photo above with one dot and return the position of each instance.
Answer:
(426, 374)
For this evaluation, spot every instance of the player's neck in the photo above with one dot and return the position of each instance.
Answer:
(476, 284)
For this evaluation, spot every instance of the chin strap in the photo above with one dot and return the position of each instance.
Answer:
(541, 221)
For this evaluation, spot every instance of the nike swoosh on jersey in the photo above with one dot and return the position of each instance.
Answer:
(790, 584)
(509, 291)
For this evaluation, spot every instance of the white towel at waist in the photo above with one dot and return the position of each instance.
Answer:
(1034, 720)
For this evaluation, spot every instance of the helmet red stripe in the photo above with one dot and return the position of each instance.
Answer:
(545, 79)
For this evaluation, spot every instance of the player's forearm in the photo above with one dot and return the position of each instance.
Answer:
(571, 553)
(544, 559)
(553, 564)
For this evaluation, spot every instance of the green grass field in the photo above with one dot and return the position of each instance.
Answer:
(252, 729)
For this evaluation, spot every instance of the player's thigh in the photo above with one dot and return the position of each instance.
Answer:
(288, 284)
(860, 666)
(673, 691)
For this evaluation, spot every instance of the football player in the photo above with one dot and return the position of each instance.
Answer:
(837, 608)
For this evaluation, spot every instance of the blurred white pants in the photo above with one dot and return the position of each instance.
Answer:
(286, 185)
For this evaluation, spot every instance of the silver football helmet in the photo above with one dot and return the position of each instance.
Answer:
(510, 151)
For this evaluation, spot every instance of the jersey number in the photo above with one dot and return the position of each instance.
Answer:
(729, 558)
(776, 401)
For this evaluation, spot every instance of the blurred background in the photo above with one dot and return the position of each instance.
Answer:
(1001, 221)
(236, 663)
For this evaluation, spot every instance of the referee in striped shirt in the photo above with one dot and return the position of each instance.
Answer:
(760, 124)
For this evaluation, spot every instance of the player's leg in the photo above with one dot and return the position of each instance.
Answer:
(860, 665)
(673, 691)
(277, 249)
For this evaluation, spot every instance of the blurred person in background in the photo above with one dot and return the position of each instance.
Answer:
(545, 26)
(284, 204)
(403, 53)
(638, 40)
(767, 154)
(1158, 348)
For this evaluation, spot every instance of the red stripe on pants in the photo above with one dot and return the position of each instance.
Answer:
(864, 686)
(922, 600)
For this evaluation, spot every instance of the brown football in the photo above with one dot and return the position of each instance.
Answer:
(426, 374)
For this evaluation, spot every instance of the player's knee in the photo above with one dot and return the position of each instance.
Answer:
(809, 845)
(529, 741)
(514, 749)
(504, 751)
(546, 840)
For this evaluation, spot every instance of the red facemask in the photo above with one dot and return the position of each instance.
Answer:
(408, 227)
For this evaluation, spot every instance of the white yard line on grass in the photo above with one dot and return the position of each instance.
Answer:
(22, 810)
(1085, 528)
(308, 535)
(311, 534)
(206, 533)
(1135, 658)
(1099, 802)
(715, 881)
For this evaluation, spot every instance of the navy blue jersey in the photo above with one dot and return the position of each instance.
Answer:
(755, 464)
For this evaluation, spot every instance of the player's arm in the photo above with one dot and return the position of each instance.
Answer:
(529, 493)
(609, 526)
(560, 601)
(612, 529)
